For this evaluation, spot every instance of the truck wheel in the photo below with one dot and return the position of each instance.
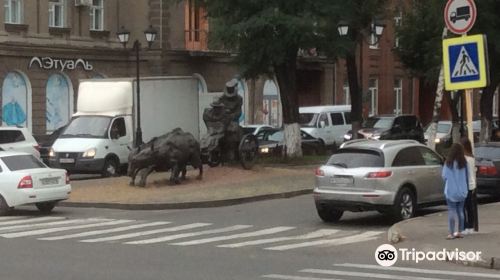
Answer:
(46, 207)
(404, 205)
(329, 214)
(110, 168)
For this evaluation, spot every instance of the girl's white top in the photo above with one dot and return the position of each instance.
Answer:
(471, 166)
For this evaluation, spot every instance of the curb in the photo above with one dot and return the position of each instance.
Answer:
(184, 205)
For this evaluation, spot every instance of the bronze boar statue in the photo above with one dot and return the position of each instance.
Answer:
(172, 151)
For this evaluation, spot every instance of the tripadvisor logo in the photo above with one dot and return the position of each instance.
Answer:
(386, 255)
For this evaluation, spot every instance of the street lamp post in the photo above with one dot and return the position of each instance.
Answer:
(123, 36)
(355, 84)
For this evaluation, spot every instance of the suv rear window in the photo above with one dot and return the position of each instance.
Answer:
(11, 136)
(22, 162)
(353, 158)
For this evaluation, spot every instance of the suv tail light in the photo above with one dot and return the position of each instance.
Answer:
(25, 183)
(319, 172)
(378, 174)
(487, 170)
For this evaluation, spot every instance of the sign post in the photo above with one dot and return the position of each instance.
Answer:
(465, 61)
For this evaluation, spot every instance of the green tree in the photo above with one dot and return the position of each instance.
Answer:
(420, 47)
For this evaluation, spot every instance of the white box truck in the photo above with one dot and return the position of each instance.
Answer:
(101, 133)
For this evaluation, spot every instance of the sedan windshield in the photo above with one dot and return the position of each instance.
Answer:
(375, 122)
(487, 152)
(87, 127)
(441, 128)
(22, 162)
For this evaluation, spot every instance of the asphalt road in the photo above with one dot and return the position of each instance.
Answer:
(276, 239)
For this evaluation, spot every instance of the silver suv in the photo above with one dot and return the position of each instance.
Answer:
(390, 176)
(18, 139)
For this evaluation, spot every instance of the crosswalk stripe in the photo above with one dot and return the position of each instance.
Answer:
(23, 227)
(142, 233)
(184, 235)
(104, 231)
(234, 236)
(365, 236)
(419, 270)
(311, 235)
(12, 218)
(51, 230)
(25, 221)
(365, 274)
(291, 277)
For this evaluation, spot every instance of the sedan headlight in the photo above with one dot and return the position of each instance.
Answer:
(437, 140)
(264, 150)
(376, 137)
(52, 153)
(90, 153)
(348, 137)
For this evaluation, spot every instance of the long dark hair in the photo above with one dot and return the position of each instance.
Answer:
(456, 153)
(467, 146)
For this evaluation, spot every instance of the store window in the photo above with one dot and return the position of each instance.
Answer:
(271, 104)
(345, 90)
(16, 100)
(373, 95)
(59, 103)
(13, 11)
(398, 96)
(196, 26)
(97, 15)
(57, 13)
(398, 20)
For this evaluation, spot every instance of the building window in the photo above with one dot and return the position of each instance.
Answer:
(345, 90)
(271, 104)
(196, 26)
(59, 102)
(398, 20)
(13, 11)
(56, 13)
(16, 100)
(374, 40)
(398, 96)
(373, 96)
(96, 15)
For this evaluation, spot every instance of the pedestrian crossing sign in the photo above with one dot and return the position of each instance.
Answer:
(465, 62)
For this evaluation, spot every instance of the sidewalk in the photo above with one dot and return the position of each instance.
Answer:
(220, 186)
(428, 233)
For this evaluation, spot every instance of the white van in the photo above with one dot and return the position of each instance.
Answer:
(328, 123)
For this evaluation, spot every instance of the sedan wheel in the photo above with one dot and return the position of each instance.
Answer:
(4, 208)
(46, 207)
(328, 214)
(405, 204)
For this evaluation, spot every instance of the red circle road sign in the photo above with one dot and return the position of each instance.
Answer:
(460, 15)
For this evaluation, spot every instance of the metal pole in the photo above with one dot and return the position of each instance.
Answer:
(138, 134)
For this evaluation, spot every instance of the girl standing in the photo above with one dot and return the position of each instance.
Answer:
(455, 190)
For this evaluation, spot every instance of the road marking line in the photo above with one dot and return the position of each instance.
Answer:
(367, 275)
(142, 233)
(184, 235)
(25, 221)
(23, 227)
(234, 236)
(12, 218)
(51, 230)
(291, 277)
(365, 236)
(314, 234)
(104, 231)
(419, 270)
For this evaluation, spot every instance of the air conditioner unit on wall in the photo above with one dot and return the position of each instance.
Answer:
(79, 3)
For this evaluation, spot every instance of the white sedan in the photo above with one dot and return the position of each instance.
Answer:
(24, 179)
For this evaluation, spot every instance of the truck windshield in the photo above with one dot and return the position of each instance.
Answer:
(308, 119)
(87, 127)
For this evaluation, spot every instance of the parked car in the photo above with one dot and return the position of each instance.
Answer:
(443, 133)
(24, 179)
(390, 127)
(271, 142)
(328, 123)
(254, 128)
(45, 143)
(392, 177)
(488, 167)
(18, 139)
